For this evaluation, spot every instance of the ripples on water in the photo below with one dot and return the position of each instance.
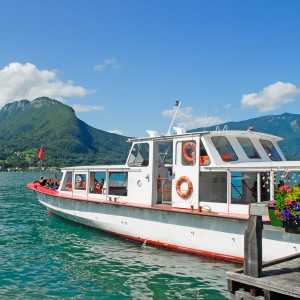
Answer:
(47, 257)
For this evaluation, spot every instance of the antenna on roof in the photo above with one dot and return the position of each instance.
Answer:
(250, 128)
(177, 105)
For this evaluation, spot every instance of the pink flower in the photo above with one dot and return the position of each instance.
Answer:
(277, 212)
(272, 203)
(288, 202)
(285, 188)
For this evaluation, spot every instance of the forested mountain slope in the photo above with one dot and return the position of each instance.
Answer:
(25, 126)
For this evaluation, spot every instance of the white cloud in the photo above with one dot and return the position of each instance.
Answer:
(18, 81)
(227, 106)
(87, 108)
(185, 118)
(108, 62)
(116, 131)
(271, 97)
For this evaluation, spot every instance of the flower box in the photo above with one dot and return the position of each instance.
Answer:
(286, 208)
(275, 219)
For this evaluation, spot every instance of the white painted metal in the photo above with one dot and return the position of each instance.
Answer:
(191, 171)
(215, 233)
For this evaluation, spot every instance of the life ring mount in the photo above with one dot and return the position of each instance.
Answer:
(189, 152)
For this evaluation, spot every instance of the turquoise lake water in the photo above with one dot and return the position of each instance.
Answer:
(46, 257)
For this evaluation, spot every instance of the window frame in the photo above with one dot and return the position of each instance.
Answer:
(139, 160)
(270, 150)
(225, 155)
(242, 144)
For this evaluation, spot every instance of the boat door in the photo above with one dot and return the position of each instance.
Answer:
(185, 191)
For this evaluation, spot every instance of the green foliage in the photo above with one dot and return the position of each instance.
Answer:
(25, 126)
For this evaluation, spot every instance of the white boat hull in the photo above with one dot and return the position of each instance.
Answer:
(211, 235)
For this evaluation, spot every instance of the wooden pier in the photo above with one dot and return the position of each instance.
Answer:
(277, 279)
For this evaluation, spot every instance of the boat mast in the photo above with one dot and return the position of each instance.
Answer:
(177, 105)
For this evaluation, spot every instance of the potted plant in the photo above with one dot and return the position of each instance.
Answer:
(285, 211)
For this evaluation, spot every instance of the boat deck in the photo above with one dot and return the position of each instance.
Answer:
(280, 279)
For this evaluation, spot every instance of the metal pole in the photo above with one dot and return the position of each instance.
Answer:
(177, 106)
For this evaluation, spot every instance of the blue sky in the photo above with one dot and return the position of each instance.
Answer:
(121, 64)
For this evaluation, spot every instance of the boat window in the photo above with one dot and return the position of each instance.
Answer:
(286, 178)
(139, 155)
(118, 183)
(80, 181)
(188, 157)
(244, 187)
(67, 184)
(165, 153)
(270, 150)
(237, 187)
(224, 148)
(97, 182)
(213, 187)
(204, 158)
(248, 147)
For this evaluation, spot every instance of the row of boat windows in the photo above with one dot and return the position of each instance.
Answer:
(223, 146)
(139, 155)
(226, 150)
(213, 185)
(112, 183)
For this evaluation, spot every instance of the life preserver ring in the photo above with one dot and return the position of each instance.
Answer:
(186, 154)
(178, 185)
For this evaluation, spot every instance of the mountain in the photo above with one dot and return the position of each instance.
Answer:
(25, 126)
(286, 126)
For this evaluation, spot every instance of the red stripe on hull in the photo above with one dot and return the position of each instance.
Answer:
(170, 246)
(179, 248)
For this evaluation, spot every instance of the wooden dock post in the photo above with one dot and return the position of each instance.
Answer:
(253, 243)
(278, 279)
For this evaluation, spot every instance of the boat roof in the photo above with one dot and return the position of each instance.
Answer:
(155, 137)
(119, 168)
(218, 165)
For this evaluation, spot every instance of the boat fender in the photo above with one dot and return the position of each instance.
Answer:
(187, 155)
(178, 186)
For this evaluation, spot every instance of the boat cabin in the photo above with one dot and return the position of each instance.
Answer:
(218, 170)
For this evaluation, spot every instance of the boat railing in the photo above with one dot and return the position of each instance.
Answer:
(164, 186)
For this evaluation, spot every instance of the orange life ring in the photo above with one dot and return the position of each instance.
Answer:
(189, 158)
(178, 185)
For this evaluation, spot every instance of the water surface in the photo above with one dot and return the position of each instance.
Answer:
(46, 257)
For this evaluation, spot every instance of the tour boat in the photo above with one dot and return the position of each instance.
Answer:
(188, 191)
